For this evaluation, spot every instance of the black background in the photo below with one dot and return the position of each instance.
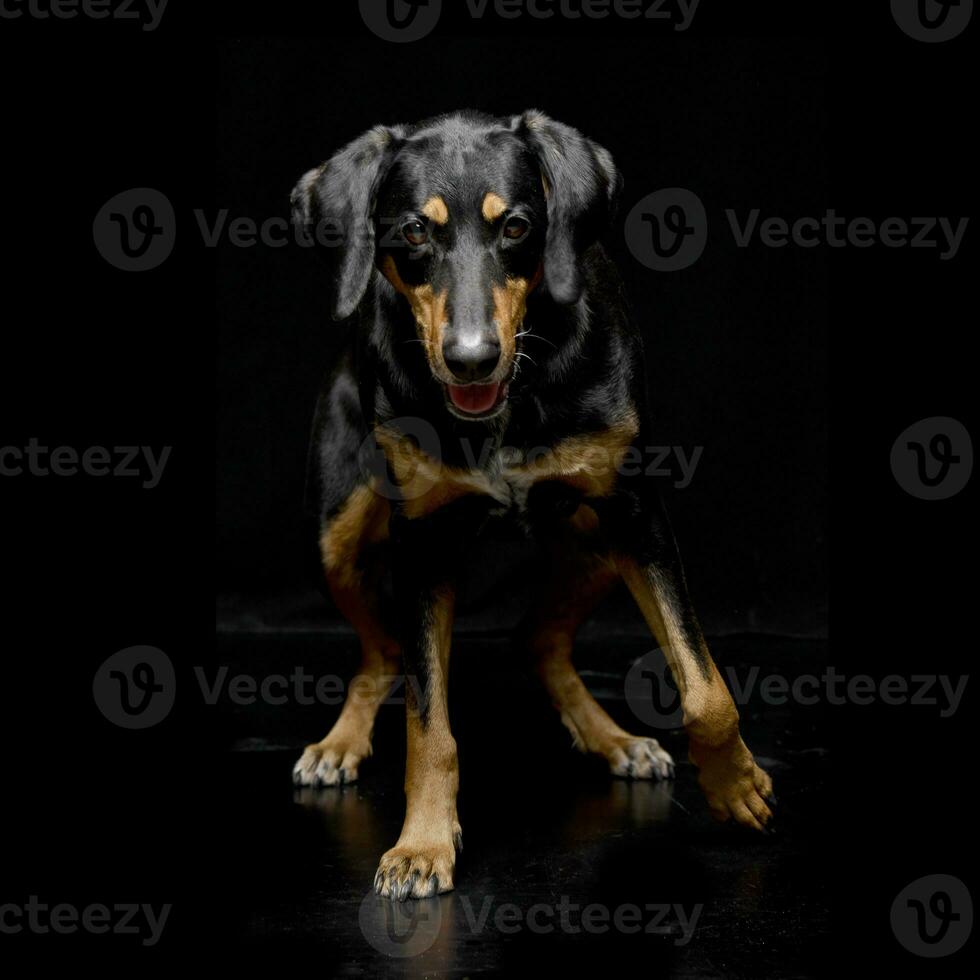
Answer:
(814, 361)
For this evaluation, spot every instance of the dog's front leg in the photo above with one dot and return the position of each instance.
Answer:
(422, 861)
(647, 558)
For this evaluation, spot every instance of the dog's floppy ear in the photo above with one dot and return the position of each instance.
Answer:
(334, 203)
(582, 185)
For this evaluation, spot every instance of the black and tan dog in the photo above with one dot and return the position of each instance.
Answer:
(493, 366)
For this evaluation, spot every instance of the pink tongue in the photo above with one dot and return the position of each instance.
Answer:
(474, 399)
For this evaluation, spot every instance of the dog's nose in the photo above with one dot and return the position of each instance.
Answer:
(471, 360)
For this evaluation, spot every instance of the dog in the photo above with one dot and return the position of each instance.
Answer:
(467, 250)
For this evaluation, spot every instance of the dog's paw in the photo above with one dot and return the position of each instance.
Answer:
(332, 762)
(633, 757)
(734, 786)
(417, 870)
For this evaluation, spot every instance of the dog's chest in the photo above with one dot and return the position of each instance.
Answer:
(506, 474)
(508, 480)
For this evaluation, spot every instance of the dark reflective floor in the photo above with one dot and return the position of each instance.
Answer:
(564, 868)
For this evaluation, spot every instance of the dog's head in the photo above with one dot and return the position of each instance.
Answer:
(464, 216)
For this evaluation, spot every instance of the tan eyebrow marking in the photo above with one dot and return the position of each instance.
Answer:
(493, 206)
(435, 210)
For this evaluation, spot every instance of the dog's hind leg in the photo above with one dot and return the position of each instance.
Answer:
(353, 580)
(579, 579)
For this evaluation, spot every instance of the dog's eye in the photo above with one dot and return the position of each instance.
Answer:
(516, 228)
(415, 233)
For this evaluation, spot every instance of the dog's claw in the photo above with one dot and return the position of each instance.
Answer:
(405, 888)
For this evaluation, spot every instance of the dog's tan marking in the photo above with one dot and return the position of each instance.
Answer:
(588, 462)
(493, 207)
(362, 520)
(733, 784)
(509, 307)
(353, 583)
(422, 861)
(577, 580)
(435, 209)
(430, 311)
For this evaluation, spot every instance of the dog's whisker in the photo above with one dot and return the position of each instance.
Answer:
(536, 336)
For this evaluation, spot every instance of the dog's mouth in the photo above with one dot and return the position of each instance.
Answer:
(476, 401)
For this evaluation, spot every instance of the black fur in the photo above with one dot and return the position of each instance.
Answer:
(584, 360)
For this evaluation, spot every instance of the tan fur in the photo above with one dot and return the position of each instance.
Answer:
(435, 209)
(362, 520)
(576, 582)
(493, 207)
(429, 309)
(587, 462)
(424, 857)
(509, 307)
(733, 784)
